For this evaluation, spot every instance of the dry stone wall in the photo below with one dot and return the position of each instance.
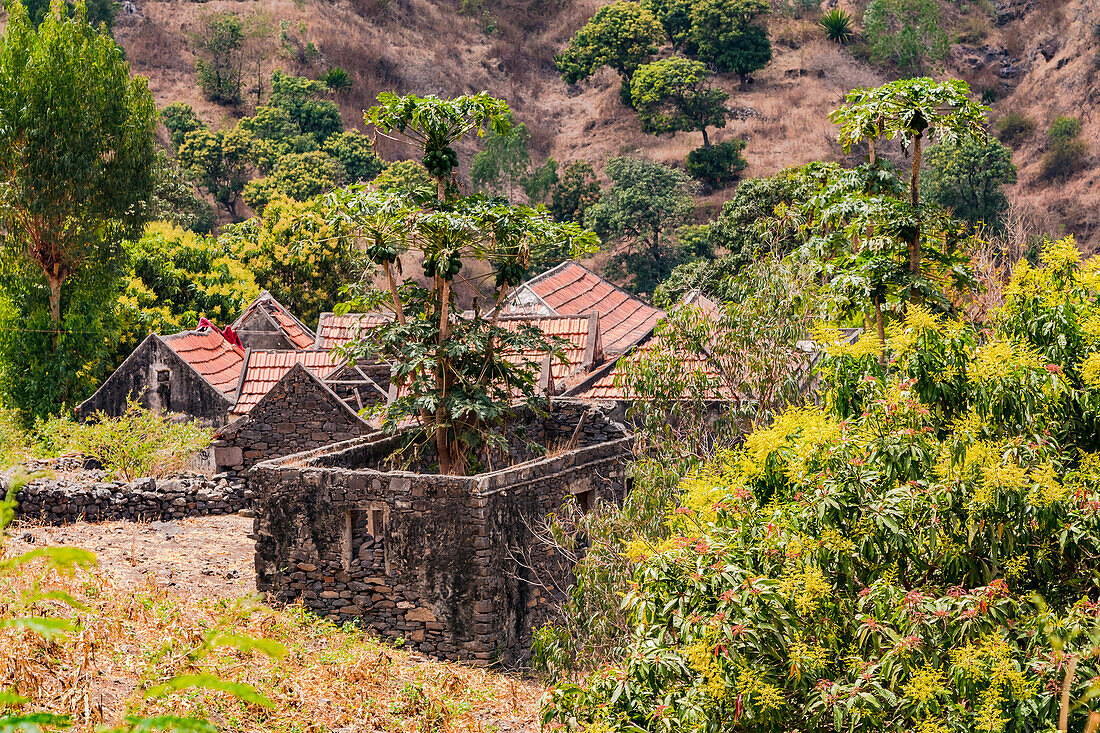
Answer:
(448, 563)
(68, 499)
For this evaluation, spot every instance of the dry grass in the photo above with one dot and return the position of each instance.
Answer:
(130, 639)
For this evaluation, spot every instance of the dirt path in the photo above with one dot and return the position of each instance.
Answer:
(210, 557)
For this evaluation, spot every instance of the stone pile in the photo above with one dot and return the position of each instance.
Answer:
(85, 494)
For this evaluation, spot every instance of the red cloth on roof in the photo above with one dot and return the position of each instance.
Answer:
(232, 337)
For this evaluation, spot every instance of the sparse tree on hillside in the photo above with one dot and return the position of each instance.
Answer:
(968, 177)
(219, 162)
(910, 109)
(726, 35)
(504, 162)
(622, 35)
(640, 212)
(672, 95)
(305, 103)
(100, 13)
(218, 44)
(577, 190)
(906, 34)
(180, 119)
(76, 164)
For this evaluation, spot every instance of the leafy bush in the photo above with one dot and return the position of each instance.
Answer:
(717, 165)
(968, 177)
(1013, 128)
(837, 25)
(12, 439)
(139, 442)
(916, 555)
(1066, 152)
(908, 34)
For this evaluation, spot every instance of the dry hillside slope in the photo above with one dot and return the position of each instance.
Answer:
(1037, 57)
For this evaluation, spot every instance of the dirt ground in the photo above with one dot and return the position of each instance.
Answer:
(211, 557)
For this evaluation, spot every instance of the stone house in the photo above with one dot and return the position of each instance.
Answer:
(194, 373)
(268, 324)
(298, 413)
(451, 564)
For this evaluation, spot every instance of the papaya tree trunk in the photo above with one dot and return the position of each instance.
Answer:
(881, 328)
(914, 200)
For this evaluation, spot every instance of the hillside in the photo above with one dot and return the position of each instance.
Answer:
(1034, 57)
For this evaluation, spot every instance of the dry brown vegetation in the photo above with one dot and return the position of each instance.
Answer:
(138, 631)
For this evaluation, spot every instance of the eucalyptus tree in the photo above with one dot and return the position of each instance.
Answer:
(76, 179)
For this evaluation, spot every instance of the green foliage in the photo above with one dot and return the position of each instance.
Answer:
(674, 16)
(294, 253)
(622, 35)
(639, 213)
(337, 80)
(406, 177)
(1066, 153)
(12, 439)
(303, 101)
(717, 165)
(912, 556)
(967, 177)
(907, 34)
(577, 190)
(175, 200)
(672, 95)
(1014, 127)
(100, 13)
(435, 125)
(177, 278)
(505, 161)
(837, 26)
(541, 181)
(180, 119)
(219, 163)
(217, 45)
(299, 176)
(76, 165)
(726, 35)
(356, 154)
(139, 442)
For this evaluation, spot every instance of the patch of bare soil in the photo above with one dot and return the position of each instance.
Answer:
(208, 557)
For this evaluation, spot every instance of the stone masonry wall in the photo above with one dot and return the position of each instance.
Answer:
(63, 501)
(446, 562)
(298, 414)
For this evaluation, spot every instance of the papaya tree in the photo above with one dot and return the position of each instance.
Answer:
(910, 110)
(458, 378)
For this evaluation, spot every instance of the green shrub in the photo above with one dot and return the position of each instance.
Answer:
(1014, 128)
(718, 165)
(12, 439)
(140, 443)
(1066, 152)
(915, 555)
(837, 25)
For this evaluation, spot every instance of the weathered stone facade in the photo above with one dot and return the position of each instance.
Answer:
(299, 413)
(62, 502)
(432, 559)
(161, 381)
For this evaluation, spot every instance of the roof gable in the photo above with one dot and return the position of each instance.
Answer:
(571, 288)
(582, 349)
(264, 368)
(334, 330)
(297, 333)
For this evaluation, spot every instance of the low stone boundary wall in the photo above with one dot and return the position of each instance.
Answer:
(60, 502)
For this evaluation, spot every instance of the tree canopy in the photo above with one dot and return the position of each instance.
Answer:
(622, 35)
(726, 35)
(673, 95)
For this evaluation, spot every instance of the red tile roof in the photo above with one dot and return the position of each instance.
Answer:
(210, 355)
(333, 330)
(264, 368)
(299, 334)
(706, 373)
(579, 333)
(571, 288)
